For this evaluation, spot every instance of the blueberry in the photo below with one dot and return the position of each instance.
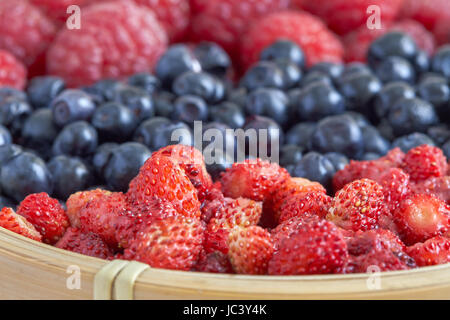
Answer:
(72, 105)
(440, 62)
(5, 136)
(374, 142)
(213, 59)
(446, 149)
(291, 73)
(14, 110)
(263, 74)
(269, 102)
(11, 93)
(359, 118)
(42, 90)
(439, 133)
(238, 96)
(436, 91)
(405, 143)
(124, 165)
(39, 131)
(284, 49)
(114, 122)
(389, 95)
(301, 134)
(6, 202)
(267, 131)
(175, 61)
(358, 89)
(8, 151)
(69, 176)
(228, 113)
(332, 70)
(318, 100)
(385, 129)
(395, 69)
(222, 161)
(411, 115)
(25, 174)
(104, 90)
(200, 84)
(145, 81)
(290, 154)
(189, 108)
(355, 67)
(315, 167)
(338, 134)
(421, 62)
(338, 160)
(315, 76)
(76, 139)
(370, 156)
(216, 130)
(102, 156)
(163, 103)
(137, 100)
(392, 44)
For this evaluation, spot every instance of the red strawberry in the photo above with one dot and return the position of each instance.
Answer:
(423, 38)
(18, 224)
(111, 30)
(255, 179)
(309, 32)
(436, 186)
(250, 250)
(214, 202)
(46, 215)
(364, 242)
(171, 243)
(426, 12)
(78, 200)
(311, 203)
(88, 244)
(433, 251)
(192, 163)
(393, 158)
(213, 262)
(288, 227)
(162, 177)
(424, 162)
(216, 239)
(316, 247)
(239, 212)
(396, 187)
(420, 217)
(12, 72)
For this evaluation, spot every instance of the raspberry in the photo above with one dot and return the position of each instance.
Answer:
(424, 162)
(317, 42)
(25, 32)
(214, 262)
(423, 38)
(12, 72)
(116, 39)
(18, 224)
(224, 21)
(358, 206)
(85, 243)
(441, 30)
(396, 187)
(357, 43)
(427, 13)
(436, 186)
(78, 200)
(57, 9)
(433, 251)
(311, 203)
(250, 250)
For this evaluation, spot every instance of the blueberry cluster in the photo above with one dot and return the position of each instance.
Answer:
(60, 140)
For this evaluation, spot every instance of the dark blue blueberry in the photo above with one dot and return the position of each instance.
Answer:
(374, 142)
(14, 110)
(145, 81)
(370, 156)
(124, 165)
(114, 122)
(389, 95)
(338, 160)
(200, 84)
(359, 118)
(216, 130)
(284, 49)
(6, 202)
(291, 73)
(439, 134)
(189, 108)
(25, 174)
(104, 90)
(76, 139)
(315, 76)
(5, 136)
(137, 100)
(411, 115)
(39, 131)
(317, 100)
(175, 61)
(440, 63)
(11, 93)
(436, 91)
(267, 134)
(101, 157)
(72, 105)
(42, 90)
(315, 167)
(332, 70)
(385, 129)
(301, 134)
(163, 101)
(290, 154)
(421, 62)
(355, 67)
(69, 176)
(218, 162)
(395, 69)
(263, 74)
(213, 59)
(446, 149)
(8, 151)
(358, 89)
(238, 96)
(269, 102)
(228, 113)
(405, 143)
(392, 44)
(338, 134)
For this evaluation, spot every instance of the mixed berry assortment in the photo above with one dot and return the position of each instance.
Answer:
(88, 163)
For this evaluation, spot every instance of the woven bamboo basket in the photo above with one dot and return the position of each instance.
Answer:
(32, 270)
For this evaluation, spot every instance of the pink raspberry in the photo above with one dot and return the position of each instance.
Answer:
(12, 72)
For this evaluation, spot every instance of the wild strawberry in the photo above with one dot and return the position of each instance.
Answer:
(392, 159)
(356, 170)
(162, 177)
(46, 215)
(316, 247)
(216, 239)
(250, 250)
(436, 186)
(358, 206)
(18, 224)
(171, 243)
(311, 203)
(288, 227)
(238, 212)
(424, 162)
(420, 217)
(364, 242)
(211, 207)
(88, 244)
(433, 251)
(396, 187)
(213, 262)
(255, 179)
(12, 72)
(78, 200)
